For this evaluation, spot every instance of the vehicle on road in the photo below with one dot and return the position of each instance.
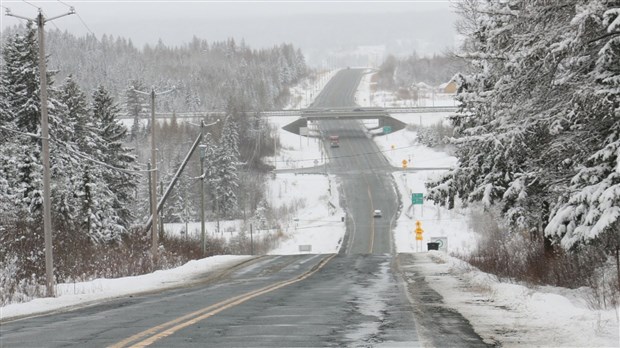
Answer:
(377, 213)
(334, 141)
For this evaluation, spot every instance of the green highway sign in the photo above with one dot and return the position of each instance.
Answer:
(417, 198)
(387, 129)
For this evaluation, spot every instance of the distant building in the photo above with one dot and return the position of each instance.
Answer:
(421, 87)
(448, 87)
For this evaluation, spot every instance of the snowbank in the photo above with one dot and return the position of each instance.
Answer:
(71, 295)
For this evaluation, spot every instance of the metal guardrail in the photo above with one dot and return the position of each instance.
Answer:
(421, 109)
(302, 112)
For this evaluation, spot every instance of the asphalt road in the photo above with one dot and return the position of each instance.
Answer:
(364, 296)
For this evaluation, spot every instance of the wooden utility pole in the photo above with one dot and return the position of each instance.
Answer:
(154, 234)
(45, 149)
(153, 176)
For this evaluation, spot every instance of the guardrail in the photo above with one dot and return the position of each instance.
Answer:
(302, 112)
(420, 109)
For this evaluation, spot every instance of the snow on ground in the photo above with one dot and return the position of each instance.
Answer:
(294, 151)
(403, 145)
(512, 315)
(303, 94)
(436, 221)
(72, 295)
(368, 95)
(504, 314)
(317, 222)
(227, 229)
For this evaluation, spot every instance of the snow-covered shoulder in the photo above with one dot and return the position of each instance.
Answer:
(512, 315)
(70, 295)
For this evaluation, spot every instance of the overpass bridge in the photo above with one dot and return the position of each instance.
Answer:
(310, 116)
(301, 112)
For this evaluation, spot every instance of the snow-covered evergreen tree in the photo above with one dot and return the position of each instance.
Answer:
(123, 184)
(590, 208)
(21, 78)
(228, 162)
(537, 126)
(134, 104)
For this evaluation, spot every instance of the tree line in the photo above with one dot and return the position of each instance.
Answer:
(395, 73)
(99, 177)
(537, 132)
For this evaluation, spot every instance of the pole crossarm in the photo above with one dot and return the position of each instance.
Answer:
(45, 20)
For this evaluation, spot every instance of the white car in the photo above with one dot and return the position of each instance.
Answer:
(376, 213)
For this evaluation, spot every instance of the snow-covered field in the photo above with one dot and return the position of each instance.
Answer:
(510, 315)
(317, 223)
(295, 151)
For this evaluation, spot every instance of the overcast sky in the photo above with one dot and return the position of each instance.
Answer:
(404, 26)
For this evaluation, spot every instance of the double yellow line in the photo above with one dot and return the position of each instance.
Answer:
(150, 336)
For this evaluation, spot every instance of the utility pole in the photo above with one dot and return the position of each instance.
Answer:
(251, 242)
(203, 154)
(154, 233)
(217, 212)
(45, 150)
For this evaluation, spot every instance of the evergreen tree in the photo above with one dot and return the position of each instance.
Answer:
(227, 163)
(123, 184)
(537, 124)
(135, 103)
(21, 78)
(590, 209)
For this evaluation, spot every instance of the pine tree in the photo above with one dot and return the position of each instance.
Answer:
(105, 113)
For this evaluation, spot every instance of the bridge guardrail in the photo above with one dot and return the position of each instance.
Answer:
(301, 112)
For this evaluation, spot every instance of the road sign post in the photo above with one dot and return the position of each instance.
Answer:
(418, 198)
(418, 235)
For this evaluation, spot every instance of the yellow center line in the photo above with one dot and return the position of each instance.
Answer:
(166, 329)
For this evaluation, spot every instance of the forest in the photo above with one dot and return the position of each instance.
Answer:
(395, 73)
(537, 135)
(99, 166)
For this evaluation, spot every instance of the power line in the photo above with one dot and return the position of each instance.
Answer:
(55, 26)
(86, 26)
(64, 3)
(80, 154)
(37, 7)
(88, 158)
